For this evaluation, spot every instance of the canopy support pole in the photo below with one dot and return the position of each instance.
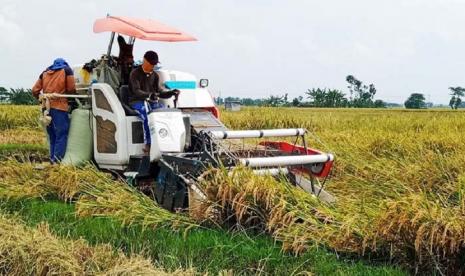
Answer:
(112, 38)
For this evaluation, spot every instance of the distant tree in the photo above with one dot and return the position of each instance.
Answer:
(360, 95)
(243, 101)
(355, 86)
(297, 101)
(457, 93)
(248, 101)
(232, 99)
(219, 101)
(335, 98)
(458, 102)
(252, 102)
(327, 97)
(276, 100)
(4, 95)
(415, 101)
(21, 96)
(318, 96)
(455, 102)
(452, 102)
(394, 105)
(380, 104)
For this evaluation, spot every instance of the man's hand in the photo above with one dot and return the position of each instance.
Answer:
(175, 93)
(153, 98)
(44, 96)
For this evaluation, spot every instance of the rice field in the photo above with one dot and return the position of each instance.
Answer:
(399, 182)
(36, 251)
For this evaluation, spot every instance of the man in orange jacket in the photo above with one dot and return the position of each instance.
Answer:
(57, 78)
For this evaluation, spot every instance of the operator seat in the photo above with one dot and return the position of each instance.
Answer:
(124, 99)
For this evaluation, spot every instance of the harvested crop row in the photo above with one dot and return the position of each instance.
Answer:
(36, 251)
(419, 231)
(96, 193)
(291, 216)
(23, 136)
(29, 152)
(21, 180)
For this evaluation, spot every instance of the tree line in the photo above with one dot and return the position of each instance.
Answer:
(418, 101)
(361, 96)
(19, 96)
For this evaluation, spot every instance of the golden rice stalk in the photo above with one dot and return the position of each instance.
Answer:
(433, 230)
(21, 180)
(23, 136)
(124, 203)
(29, 251)
(99, 194)
(137, 265)
(19, 116)
(33, 252)
(292, 216)
(67, 181)
(28, 180)
(25, 179)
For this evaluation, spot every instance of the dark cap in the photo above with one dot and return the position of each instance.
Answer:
(151, 57)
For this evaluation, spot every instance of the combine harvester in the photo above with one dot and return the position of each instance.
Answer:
(188, 138)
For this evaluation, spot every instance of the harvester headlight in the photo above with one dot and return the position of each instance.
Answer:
(163, 132)
(203, 83)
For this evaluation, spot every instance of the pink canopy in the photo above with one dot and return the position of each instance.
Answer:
(145, 29)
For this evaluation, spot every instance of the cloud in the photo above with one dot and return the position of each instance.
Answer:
(11, 32)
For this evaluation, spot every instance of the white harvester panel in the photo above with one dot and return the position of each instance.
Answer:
(167, 130)
(191, 96)
(109, 127)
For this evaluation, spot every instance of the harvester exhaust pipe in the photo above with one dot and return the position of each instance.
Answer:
(282, 161)
(238, 134)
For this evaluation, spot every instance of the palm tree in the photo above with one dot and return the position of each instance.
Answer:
(457, 94)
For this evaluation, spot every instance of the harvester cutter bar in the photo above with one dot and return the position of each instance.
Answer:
(239, 134)
(291, 160)
(273, 172)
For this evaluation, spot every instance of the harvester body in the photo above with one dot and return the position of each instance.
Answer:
(188, 138)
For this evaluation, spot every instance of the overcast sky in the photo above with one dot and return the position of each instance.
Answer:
(257, 48)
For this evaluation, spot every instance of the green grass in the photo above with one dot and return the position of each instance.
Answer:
(206, 250)
(7, 150)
